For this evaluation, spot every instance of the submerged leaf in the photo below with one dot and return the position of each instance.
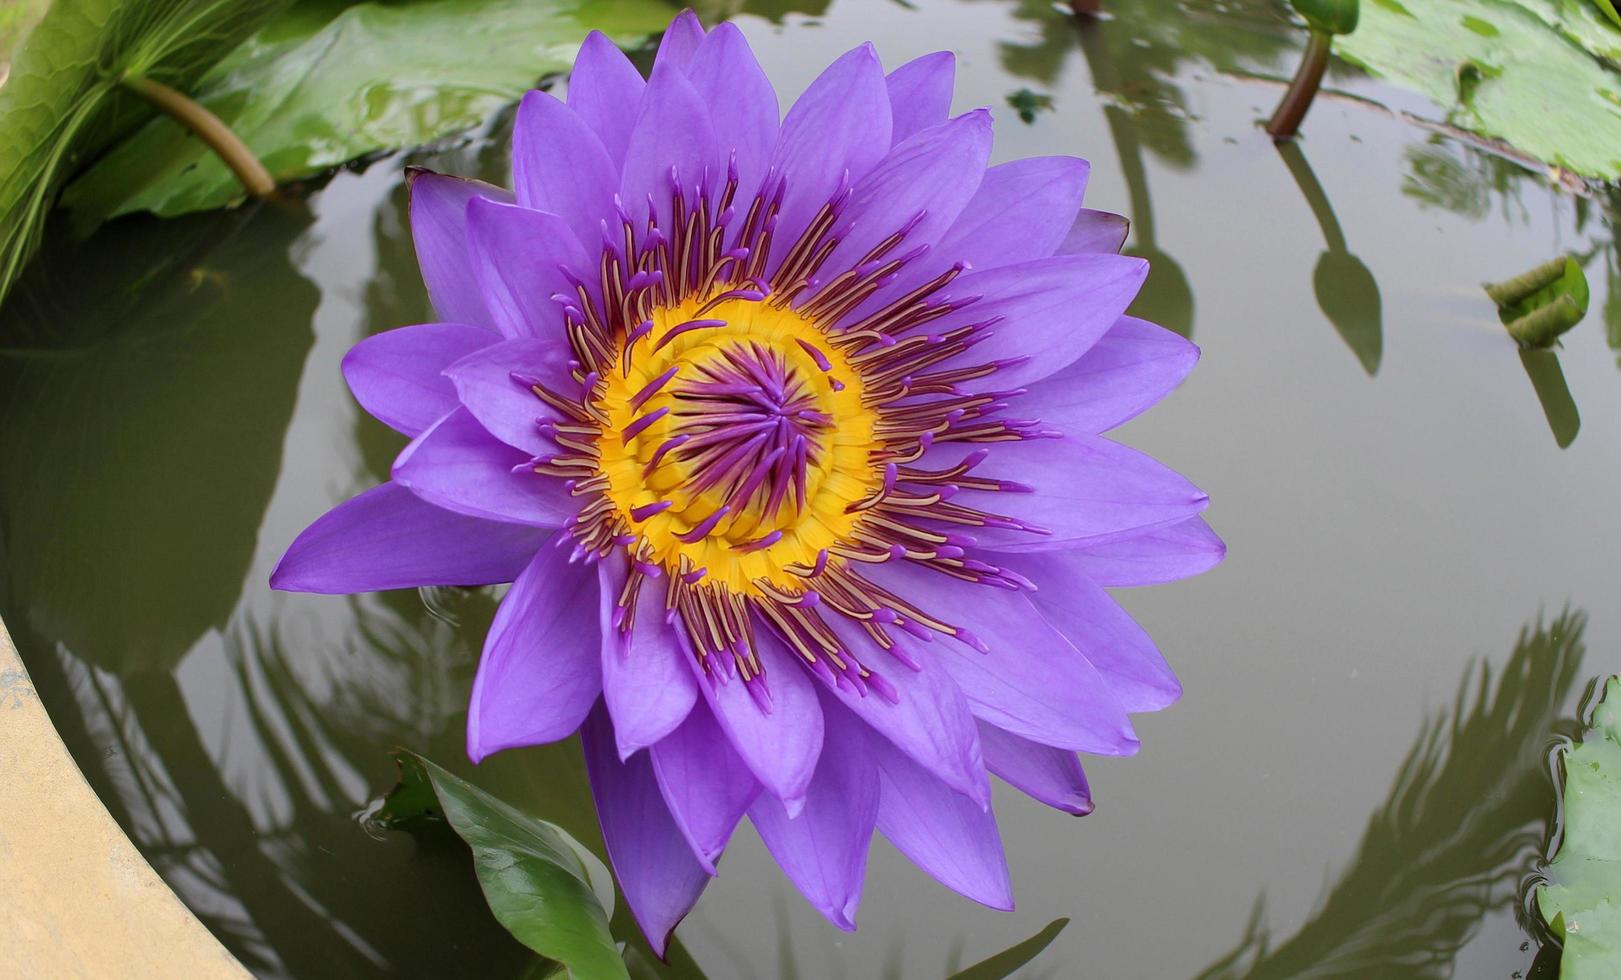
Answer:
(1526, 71)
(312, 91)
(1582, 901)
(1008, 961)
(542, 884)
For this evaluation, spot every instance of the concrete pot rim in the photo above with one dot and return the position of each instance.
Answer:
(77, 897)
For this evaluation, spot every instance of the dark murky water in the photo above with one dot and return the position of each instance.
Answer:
(1421, 521)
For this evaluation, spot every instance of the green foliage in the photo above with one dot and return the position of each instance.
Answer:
(543, 885)
(1531, 72)
(1010, 960)
(1539, 305)
(1582, 901)
(1329, 16)
(62, 102)
(320, 87)
(1027, 103)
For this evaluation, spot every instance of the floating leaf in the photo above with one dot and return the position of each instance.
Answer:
(1505, 69)
(1582, 901)
(62, 101)
(312, 91)
(1027, 103)
(1542, 303)
(543, 885)
(1008, 961)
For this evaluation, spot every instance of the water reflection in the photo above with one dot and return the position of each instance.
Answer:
(1346, 291)
(1462, 827)
(1542, 367)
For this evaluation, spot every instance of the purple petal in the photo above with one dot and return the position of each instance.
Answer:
(601, 90)
(559, 165)
(1048, 311)
(524, 259)
(672, 134)
(680, 42)
(780, 747)
(542, 669)
(396, 375)
(931, 722)
(706, 785)
(836, 131)
(647, 687)
(1045, 774)
(1021, 211)
(1155, 556)
(1033, 682)
(1081, 489)
(946, 834)
(920, 93)
(388, 538)
(1095, 231)
(459, 466)
(1130, 368)
(652, 862)
(1097, 626)
(439, 230)
(921, 186)
(823, 850)
(742, 104)
(485, 384)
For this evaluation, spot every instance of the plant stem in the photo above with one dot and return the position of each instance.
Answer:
(1086, 8)
(1285, 122)
(208, 128)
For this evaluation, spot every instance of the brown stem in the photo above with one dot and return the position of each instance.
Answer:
(1086, 8)
(208, 128)
(1285, 122)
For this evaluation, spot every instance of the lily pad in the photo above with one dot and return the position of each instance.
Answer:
(322, 86)
(551, 893)
(1582, 901)
(1504, 69)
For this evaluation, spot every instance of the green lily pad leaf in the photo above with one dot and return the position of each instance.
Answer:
(551, 893)
(1607, 7)
(1582, 900)
(62, 102)
(1583, 22)
(1010, 960)
(1500, 69)
(313, 91)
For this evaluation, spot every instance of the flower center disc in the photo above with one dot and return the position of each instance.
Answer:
(738, 441)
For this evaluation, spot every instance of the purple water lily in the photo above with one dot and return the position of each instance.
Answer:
(786, 434)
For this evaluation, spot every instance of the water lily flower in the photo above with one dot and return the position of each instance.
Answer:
(785, 430)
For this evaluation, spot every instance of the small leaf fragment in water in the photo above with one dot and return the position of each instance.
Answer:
(1539, 305)
(1028, 103)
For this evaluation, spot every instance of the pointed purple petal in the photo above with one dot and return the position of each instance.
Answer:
(1041, 772)
(706, 785)
(931, 722)
(1033, 681)
(1021, 211)
(946, 834)
(823, 850)
(524, 258)
(388, 538)
(439, 230)
(742, 104)
(647, 687)
(1082, 489)
(459, 466)
(1095, 231)
(920, 93)
(1129, 369)
(541, 670)
(652, 862)
(781, 747)
(603, 91)
(559, 165)
(396, 375)
(681, 41)
(672, 133)
(484, 383)
(1153, 557)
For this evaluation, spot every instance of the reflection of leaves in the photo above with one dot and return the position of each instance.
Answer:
(138, 463)
(1009, 960)
(1027, 103)
(542, 885)
(1582, 903)
(1498, 69)
(313, 91)
(1548, 381)
(1452, 841)
(62, 101)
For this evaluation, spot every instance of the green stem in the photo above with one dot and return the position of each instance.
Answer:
(1285, 122)
(208, 128)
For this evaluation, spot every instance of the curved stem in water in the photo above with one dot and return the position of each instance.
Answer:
(1285, 122)
(208, 128)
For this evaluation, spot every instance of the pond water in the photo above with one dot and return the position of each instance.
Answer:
(1420, 585)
